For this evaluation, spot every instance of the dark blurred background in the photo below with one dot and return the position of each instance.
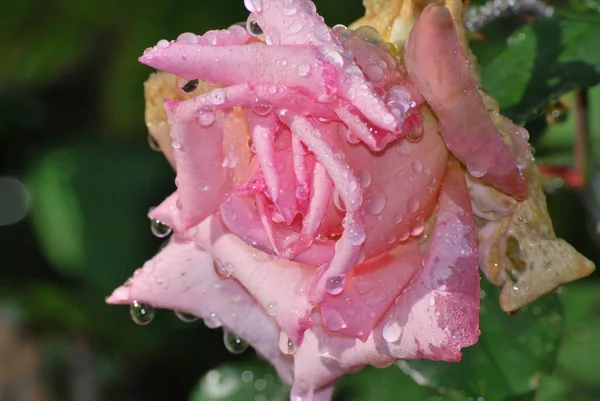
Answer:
(77, 177)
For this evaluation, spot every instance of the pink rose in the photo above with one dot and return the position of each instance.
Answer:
(322, 211)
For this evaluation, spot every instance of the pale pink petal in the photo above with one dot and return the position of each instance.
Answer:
(277, 284)
(198, 149)
(437, 65)
(182, 277)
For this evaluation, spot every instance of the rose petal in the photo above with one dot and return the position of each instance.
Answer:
(270, 280)
(370, 291)
(182, 277)
(254, 64)
(436, 316)
(198, 150)
(444, 79)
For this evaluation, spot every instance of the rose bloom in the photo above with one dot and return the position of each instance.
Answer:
(337, 191)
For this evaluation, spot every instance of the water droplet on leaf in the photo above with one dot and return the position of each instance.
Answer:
(556, 113)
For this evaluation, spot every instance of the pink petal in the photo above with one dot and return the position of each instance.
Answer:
(254, 64)
(436, 315)
(370, 291)
(198, 152)
(444, 79)
(272, 282)
(168, 213)
(400, 185)
(182, 277)
(292, 22)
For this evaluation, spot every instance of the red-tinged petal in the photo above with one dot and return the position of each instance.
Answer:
(277, 284)
(400, 185)
(182, 277)
(198, 150)
(434, 317)
(276, 161)
(439, 313)
(437, 65)
(370, 291)
(254, 64)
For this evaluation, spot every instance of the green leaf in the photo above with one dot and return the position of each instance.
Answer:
(512, 355)
(541, 62)
(249, 381)
(90, 205)
(379, 384)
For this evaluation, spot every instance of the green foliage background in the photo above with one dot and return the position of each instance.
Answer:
(72, 129)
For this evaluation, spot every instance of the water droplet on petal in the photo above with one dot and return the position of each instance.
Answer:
(303, 69)
(188, 37)
(368, 34)
(476, 172)
(272, 308)
(253, 28)
(364, 177)
(262, 108)
(186, 317)
(233, 343)
(417, 167)
(140, 313)
(375, 202)
(413, 205)
(224, 270)
(334, 284)
(356, 235)
(391, 332)
(338, 202)
(286, 345)
(163, 44)
(176, 144)
(160, 229)
(334, 321)
(206, 116)
(419, 227)
(153, 143)
(212, 321)
(415, 135)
